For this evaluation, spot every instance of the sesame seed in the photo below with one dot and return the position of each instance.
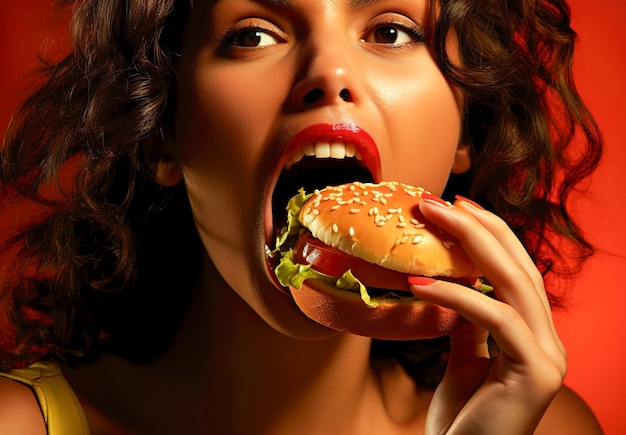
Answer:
(355, 210)
(401, 225)
(351, 231)
(335, 228)
(380, 223)
(415, 221)
(417, 239)
(401, 219)
(335, 207)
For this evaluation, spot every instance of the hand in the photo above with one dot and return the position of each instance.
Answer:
(509, 393)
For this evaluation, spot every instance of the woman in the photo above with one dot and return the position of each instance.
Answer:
(143, 273)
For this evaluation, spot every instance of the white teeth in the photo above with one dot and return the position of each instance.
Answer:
(322, 150)
(309, 150)
(337, 150)
(326, 150)
(350, 150)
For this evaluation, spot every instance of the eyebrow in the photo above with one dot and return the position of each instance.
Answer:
(354, 4)
(287, 3)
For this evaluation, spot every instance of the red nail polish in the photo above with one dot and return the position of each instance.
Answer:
(421, 280)
(435, 200)
(469, 201)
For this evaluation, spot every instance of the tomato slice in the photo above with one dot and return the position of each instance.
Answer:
(331, 261)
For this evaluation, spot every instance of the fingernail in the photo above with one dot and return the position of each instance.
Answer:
(435, 200)
(421, 280)
(469, 201)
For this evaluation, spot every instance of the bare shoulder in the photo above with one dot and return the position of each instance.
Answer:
(569, 414)
(19, 410)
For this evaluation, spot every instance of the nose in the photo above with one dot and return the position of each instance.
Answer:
(325, 78)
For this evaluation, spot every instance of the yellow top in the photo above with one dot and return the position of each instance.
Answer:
(60, 407)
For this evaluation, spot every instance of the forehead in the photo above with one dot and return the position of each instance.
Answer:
(207, 4)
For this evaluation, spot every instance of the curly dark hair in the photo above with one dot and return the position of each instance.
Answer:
(86, 275)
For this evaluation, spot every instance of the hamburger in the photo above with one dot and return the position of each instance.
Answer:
(347, 252)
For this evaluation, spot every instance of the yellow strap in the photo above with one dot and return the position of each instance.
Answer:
(60, 406)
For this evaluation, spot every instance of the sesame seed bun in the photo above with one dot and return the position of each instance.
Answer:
(381, 223)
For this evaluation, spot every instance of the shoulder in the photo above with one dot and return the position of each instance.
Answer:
(19, 410)
(568, 413)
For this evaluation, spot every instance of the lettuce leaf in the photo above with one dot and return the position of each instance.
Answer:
(294, 206)
(290, 273)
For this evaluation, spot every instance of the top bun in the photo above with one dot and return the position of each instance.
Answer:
(381, 223)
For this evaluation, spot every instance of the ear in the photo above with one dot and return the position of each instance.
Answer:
(159, 158)
(462, 160)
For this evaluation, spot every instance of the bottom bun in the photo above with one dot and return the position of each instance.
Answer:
(392, 319)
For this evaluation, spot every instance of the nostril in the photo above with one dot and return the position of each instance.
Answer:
(345, 95)
(313, 95)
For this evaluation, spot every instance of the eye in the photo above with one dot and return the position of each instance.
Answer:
(389, 35)
(394, 34)
(253, 38)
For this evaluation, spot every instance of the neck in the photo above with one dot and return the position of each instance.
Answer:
(265, 375)
(228, 369)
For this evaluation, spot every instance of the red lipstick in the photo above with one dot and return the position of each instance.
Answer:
(348, 133)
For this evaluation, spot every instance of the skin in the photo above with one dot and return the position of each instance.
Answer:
(398, 96)
(245, 360)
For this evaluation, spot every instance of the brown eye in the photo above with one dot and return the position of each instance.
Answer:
(386, 35)
(393, 34)
(251, 38)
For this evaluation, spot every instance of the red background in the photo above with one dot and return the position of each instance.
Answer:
(592, 328)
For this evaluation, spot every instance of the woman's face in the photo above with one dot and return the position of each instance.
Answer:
(260, 82)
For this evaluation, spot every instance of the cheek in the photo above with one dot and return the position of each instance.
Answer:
(426, 131)
(218, 156)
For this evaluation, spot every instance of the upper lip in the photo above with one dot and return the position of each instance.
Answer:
(346, 133)
(349, 134)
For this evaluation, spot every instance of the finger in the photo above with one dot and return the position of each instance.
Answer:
(508, 328)
(522, 368)
(516, 249)
(467, 369)
(510, 281)
(507, 238)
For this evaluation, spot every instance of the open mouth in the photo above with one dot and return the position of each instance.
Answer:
(312, 173)
(319, 156)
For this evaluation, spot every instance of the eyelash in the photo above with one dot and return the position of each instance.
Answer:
(229, 48)
(414, 31)
(227, 42)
